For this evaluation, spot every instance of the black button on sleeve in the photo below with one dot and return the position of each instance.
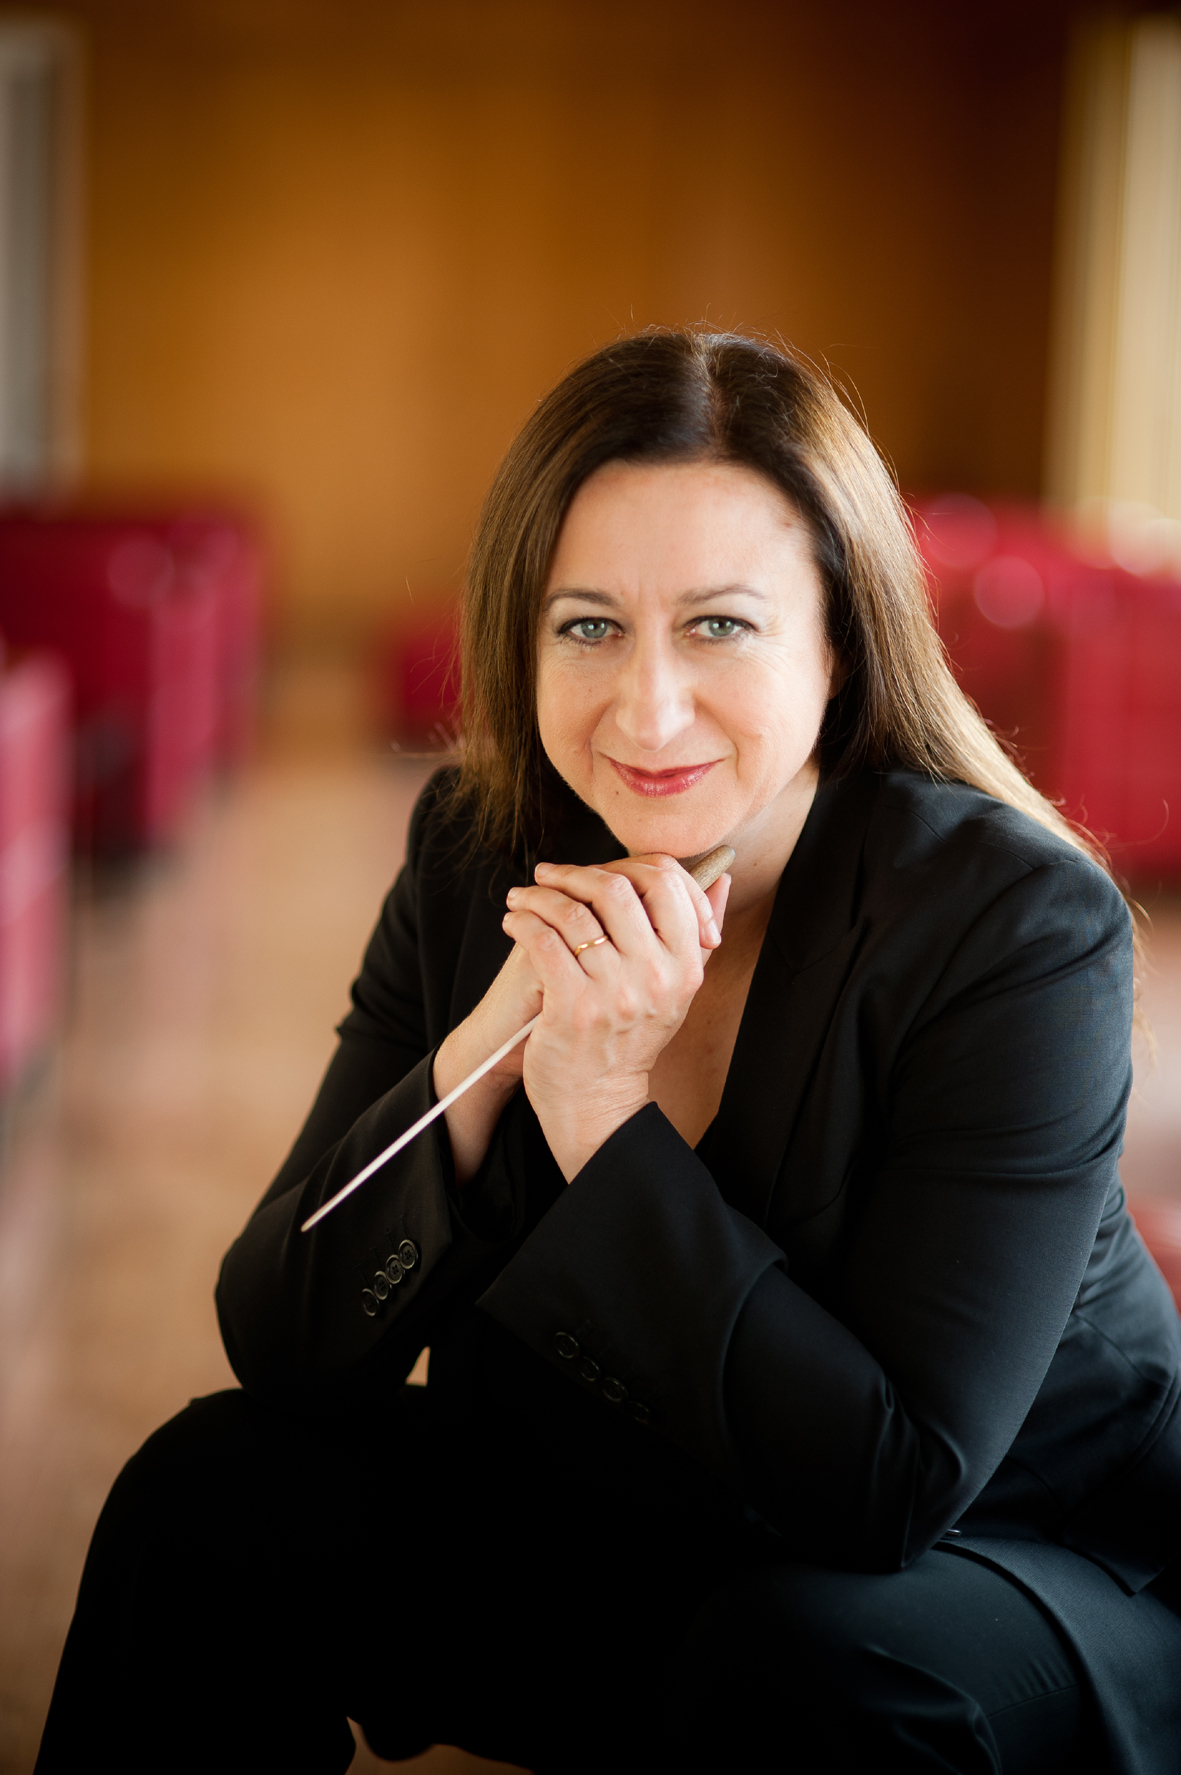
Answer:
(369, 1302)
(408, 1254)
(566, 1346)
(614, 1391)
(590, 1371)
(381, 1285)
(394, 1270)
(639, 1412)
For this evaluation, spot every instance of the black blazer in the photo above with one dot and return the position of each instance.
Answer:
(894, 1295)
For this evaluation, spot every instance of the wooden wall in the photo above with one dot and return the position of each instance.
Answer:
(338, 247)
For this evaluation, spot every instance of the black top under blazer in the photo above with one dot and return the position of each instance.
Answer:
(893, 1294)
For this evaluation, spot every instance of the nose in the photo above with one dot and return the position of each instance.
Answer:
(654, 701)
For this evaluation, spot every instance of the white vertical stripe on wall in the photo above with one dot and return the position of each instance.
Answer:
(1146, 428)
(39, 269)
(1087, 268)
(1114, 431)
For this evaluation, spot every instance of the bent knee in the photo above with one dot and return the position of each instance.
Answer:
(213, 1436)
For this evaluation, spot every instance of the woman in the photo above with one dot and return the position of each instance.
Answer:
(800, 1393)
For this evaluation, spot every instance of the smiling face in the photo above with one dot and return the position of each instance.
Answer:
(683, 668)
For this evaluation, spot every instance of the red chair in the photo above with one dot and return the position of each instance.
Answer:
(157, 619)
(34, 857)
(1078, 661)
(418, 689)
(224, 554)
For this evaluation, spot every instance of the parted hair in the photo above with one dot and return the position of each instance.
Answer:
(676, 396)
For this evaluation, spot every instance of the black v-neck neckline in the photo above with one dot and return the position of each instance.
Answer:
(789, 999)
(790, 995)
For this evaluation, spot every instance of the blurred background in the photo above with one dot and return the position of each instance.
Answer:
(279, 280)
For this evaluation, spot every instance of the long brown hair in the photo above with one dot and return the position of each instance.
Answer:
(679, 396)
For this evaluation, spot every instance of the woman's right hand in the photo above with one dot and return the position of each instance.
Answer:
(511, 1001)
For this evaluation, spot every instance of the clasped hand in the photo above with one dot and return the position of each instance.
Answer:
(606, 1013)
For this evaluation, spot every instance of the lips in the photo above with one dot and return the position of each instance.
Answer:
(654, 783)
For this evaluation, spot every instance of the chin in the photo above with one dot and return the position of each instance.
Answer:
(683, 833)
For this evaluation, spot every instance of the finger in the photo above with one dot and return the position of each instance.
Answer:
(719, 898)
(636, 869)
(616, 904)
(556, 968)
(572, 920)
(719, 895)
(656, 904)
(667, 896)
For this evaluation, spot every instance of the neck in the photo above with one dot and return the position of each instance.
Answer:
(764, 845)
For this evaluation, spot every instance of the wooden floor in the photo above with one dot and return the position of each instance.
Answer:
(205, 989)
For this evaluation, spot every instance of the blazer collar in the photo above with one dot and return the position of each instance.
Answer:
(816, 902)
(810, 946)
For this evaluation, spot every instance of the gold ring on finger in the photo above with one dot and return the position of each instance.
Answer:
(593, 944)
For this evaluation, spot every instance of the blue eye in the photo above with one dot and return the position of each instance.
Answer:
(590, 628)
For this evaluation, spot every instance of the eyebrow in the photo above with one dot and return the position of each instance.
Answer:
(605, 600)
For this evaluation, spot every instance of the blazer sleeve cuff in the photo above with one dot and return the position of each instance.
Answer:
(293, 1305)
(632, 1283)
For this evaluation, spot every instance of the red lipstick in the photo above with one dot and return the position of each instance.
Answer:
(661, 782)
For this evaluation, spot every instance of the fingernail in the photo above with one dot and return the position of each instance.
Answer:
(712, 928)
(512, 895)
(542, 868)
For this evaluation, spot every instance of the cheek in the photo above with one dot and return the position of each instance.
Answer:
(778, 710)
(565, 718)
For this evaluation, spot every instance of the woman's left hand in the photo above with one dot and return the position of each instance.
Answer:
(610, 1010)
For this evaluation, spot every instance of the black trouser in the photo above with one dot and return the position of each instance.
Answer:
(253, 1580)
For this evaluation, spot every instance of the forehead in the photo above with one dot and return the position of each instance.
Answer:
(637, 526)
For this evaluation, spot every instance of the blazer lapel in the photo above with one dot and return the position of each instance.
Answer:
(811, 945)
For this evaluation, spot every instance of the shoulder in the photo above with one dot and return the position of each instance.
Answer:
(436, 820)
(963, 888)
(445, 860)
(968, 905)
(963, 844)
(410, 962)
